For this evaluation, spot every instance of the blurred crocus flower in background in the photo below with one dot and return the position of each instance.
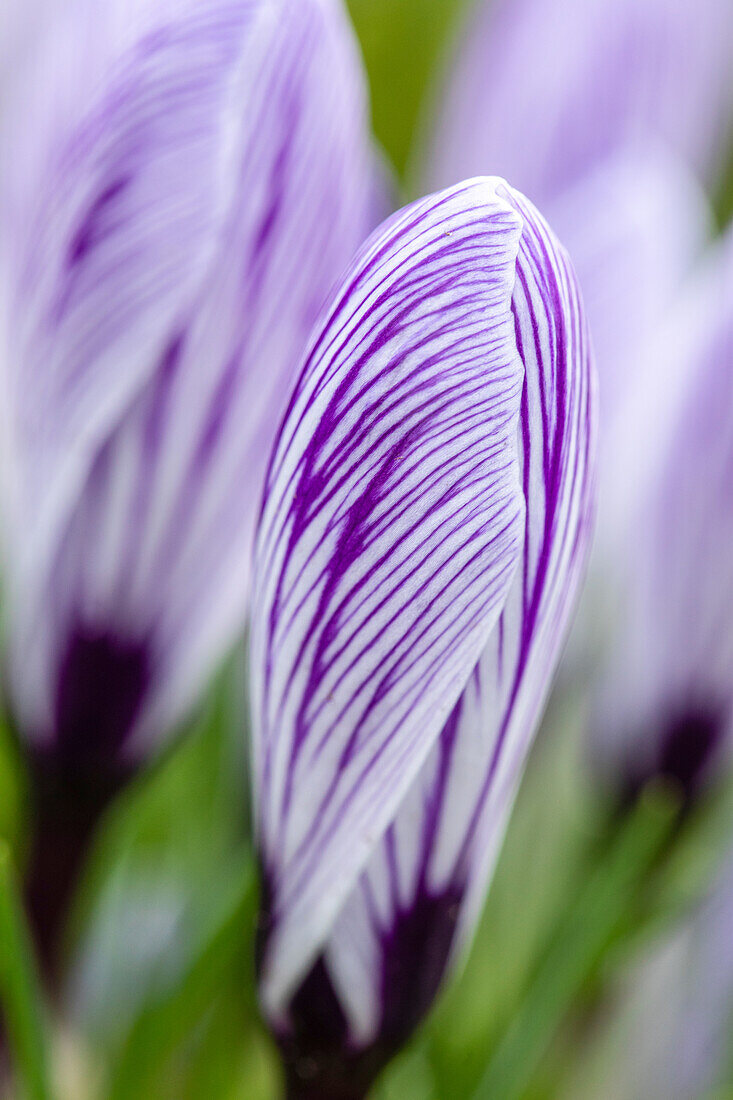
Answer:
(665, 698)
(637, 225)
(167, 258)
(425, 523)
(609, 114)
(549, 89)
(184, 188)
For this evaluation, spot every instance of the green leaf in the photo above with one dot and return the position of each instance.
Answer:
(162, 860)
(403, 42)
(13, 790)
(20, 989)
(601, 908)
(170, 1017)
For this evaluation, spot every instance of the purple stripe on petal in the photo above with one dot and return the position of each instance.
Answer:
(390, 533)
(319, 1049)
(627, 100)
(113, 244)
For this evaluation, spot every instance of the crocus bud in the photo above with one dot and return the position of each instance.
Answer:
(194, 199)
(665, 701)
(423, 530)
(184, 189)
(545, 90)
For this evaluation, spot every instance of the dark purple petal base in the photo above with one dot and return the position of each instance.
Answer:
(688, 742)
(320, 1058)
(101, 685)
(102, 682)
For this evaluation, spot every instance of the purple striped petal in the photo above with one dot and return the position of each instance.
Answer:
(112, 241)
(542, 90)
(666, 692)
(183, 240)
(429, 826)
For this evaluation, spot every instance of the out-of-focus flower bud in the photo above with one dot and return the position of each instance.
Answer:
(666, 696)
(196, 189)
(545, 90)
(601, 113)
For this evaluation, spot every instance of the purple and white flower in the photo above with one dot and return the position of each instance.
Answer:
(184, 190)
(628, 101)
(424, 527)
(547, 90)
(666, 693)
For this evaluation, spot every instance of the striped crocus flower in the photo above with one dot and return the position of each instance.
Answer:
(424, 526)
(184, 188)
(665, 698)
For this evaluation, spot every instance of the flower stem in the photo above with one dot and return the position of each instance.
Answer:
(19, 989)
(578, 946)
(67, 811)
(302, 1090)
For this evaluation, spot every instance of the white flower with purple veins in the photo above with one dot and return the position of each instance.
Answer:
(424, 527)
(665, 701)
(196, 189)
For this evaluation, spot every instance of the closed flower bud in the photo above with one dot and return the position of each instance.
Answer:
(184, 189)
(424, 527)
